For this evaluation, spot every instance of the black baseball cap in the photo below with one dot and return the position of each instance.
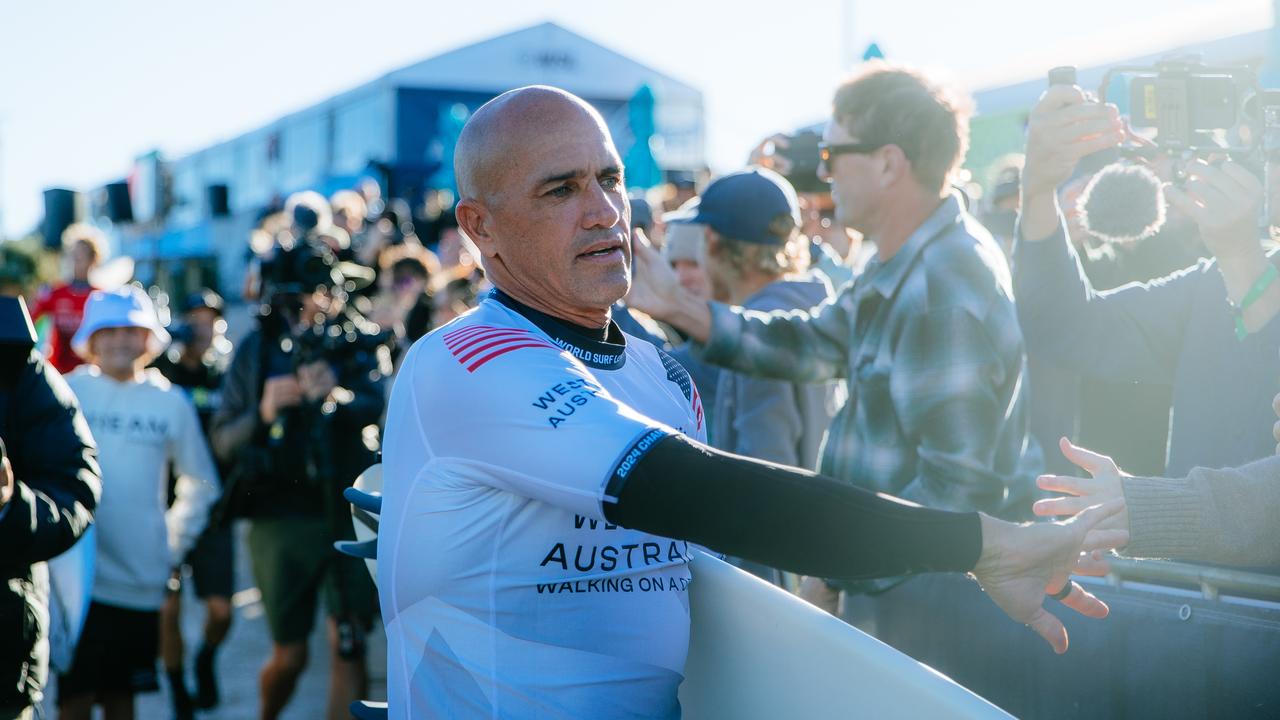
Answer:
(203, 298)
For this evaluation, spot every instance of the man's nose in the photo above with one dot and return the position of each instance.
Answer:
(604, 209)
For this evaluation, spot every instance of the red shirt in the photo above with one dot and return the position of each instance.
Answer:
(65, 305)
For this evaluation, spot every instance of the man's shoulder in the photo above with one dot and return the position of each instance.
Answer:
(479, 341)
(966, 268)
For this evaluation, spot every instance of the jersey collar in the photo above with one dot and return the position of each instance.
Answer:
(607, 354)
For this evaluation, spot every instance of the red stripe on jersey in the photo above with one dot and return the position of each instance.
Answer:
(457, 336)
(506, 349)
(697, 406)
(467, 343)
(464, 356)
(471, 341)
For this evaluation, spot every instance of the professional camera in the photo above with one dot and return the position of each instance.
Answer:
(802, 152)
(1181, 105)
(304, 436)
(1177, 110)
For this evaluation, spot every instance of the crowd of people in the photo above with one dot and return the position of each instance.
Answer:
(562, 370)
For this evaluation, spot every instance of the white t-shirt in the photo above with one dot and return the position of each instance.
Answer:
(141, 429)
(504, 592)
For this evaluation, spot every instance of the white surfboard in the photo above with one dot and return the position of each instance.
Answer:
(757, 651)
(370, 482)
(70, 591)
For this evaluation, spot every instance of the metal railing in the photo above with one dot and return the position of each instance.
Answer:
(1212, 581)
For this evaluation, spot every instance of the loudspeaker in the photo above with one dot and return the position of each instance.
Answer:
(59, 212)
(119, 206)
(219, 200)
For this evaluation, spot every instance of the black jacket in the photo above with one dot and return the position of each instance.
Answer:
(273, 487)
(57, 484)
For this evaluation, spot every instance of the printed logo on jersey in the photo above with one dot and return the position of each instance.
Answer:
(476, 345)
(678, 375)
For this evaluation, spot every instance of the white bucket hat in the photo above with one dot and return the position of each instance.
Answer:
(128, 306)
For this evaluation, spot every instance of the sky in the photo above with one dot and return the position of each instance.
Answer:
(87, 86)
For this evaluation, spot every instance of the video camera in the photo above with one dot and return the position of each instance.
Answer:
(296, 271)
(1177, 109)
(1182, 107)
(802, 152)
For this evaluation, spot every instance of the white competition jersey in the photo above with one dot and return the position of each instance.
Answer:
(504, 591)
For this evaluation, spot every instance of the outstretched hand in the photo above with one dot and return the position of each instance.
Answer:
(1103, 486)
(653, 282)
(656, 291)
(1020, 564)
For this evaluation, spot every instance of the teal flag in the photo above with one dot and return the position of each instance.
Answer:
(642, 168)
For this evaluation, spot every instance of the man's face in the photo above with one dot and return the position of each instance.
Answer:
(82, 260)
(206, 325)
(559, 216)
(692, 277)
(854, 183)
(118, 351)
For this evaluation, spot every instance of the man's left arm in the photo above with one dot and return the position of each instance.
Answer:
(197, 486)
(944, 390)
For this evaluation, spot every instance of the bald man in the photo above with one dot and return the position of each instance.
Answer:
(535, 539)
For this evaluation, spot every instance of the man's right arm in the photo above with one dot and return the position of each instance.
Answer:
(605, 460)
(57, 481)
(1130, 333)
(796, 345)
(235, 421)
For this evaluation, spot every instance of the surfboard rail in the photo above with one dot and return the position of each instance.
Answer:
(757, 651)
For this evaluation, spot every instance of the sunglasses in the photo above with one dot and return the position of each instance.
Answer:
(826, 152)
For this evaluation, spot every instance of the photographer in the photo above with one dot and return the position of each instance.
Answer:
(50, 484)
(1181, 329)
(300, 404)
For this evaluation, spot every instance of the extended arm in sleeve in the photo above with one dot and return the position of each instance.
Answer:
(235, 421)
(786, 517)
(1219, 516)
(55, 468)
(1131, 333)
(796, 345)
(197, 487)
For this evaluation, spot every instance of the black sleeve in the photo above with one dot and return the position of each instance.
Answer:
(55, 469)
(784, 517)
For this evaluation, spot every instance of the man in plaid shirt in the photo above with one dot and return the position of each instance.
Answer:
(927, 336)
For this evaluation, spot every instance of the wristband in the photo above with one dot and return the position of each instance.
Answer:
(1255, 291)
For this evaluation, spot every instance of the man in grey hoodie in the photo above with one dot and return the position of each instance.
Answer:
(754, 257)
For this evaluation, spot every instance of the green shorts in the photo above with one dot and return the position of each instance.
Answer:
(293, 563)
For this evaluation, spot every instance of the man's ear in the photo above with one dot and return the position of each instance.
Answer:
(473, 221)
(894, 165)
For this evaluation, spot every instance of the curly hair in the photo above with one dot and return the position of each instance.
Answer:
(896, 105)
